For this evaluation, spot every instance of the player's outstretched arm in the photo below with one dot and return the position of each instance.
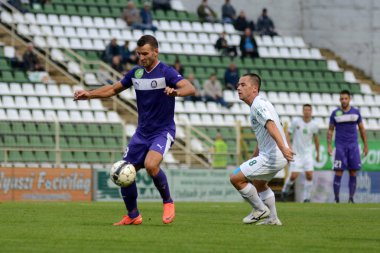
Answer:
(184, 88)
(363, 135)
(276, 135)
(329, 138)
(102, 92)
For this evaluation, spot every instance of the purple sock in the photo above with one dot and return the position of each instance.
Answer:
(337, 180)
(352, 186)
(130, 199)
(161, 183)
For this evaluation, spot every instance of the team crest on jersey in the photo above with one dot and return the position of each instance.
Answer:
(153, 84)
(139, 73)
(338, 113)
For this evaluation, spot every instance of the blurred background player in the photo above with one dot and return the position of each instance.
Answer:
(302, 131)
(271, 155)
(156, 85)
(345, 120)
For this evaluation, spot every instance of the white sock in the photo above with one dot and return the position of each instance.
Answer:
(287, 185)
(249, 193)
(268, 198)
(307, 189)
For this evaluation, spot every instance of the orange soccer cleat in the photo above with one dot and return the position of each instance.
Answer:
(129, 221)
(169, 213)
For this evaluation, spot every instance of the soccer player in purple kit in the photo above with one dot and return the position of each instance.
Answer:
(156, 85)
(347, 154)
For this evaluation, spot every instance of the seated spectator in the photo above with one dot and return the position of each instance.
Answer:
(30, 60)
(161, 5)
(265, 25)
(241, 23)
(112, 50)
(116, 65)
(147, 18)
(228, 12)
(248, 46)
(213, 91)
(128, 56)
(198, 89)
(205, 13)
(131, 15)
(231, 77)
(178, 66)
(222, 46)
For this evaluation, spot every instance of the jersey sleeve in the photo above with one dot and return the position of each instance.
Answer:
(292, 126)
(315, 128)
(332, 118)
(261, 113)
(359, 118)
(172, 77)
(127, 79)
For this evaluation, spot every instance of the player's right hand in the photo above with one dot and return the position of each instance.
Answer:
(329, 150)
(288, 154)
(81, 95)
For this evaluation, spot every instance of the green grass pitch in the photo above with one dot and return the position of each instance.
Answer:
(199, 227)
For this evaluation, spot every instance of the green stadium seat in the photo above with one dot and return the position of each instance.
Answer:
(86, 142)
(10, 141)
(41, 156)
(67, 157)
(28, 156)
(47, 141)
(15, 156)
(17, 127)
(5, 127)
(105, 157)
(22, 141)
(30, 128)
(45, 128)
(79, 157)
(74, 142)
(71, 10)
(7, 76)
(35, 141)
(20, 77)
(99, 142)
(67, 129)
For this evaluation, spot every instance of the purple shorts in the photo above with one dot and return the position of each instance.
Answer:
(347, 157)
(139, 146)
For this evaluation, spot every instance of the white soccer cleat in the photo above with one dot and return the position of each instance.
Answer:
(270, 221)
(256, 215)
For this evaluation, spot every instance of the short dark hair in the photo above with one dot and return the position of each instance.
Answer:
(255, 77)
(148, 39)
(347, 92)
(307, 105)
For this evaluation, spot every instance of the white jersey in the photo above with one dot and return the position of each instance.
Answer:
(262, 111)
(303, 133)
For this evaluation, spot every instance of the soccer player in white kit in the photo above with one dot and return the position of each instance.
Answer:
(303, 131)
(271, 155)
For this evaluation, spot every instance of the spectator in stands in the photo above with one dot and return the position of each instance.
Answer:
(241, 23)
(222, 46)
(198, 89)
(231, 77)
(178, 66)
(213, 91)
(117, 65)
(205, 13)
(131, 15)
(30, 60)
(161, 5)
(128, 56)
(18, 5)
(220, 150)
(147, 18)
(265, 25)
(228, 12)
(112, 51)
(248, 46)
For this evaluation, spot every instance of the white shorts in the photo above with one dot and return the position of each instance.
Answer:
(263, 167)
(302, 164)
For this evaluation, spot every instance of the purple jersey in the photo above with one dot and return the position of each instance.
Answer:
(346, 125)
(155, 108)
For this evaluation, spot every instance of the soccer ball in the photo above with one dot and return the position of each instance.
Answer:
(122, 173)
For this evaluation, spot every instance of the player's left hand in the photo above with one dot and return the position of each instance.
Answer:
(365, 150)
(171, 92)
(288, 154)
